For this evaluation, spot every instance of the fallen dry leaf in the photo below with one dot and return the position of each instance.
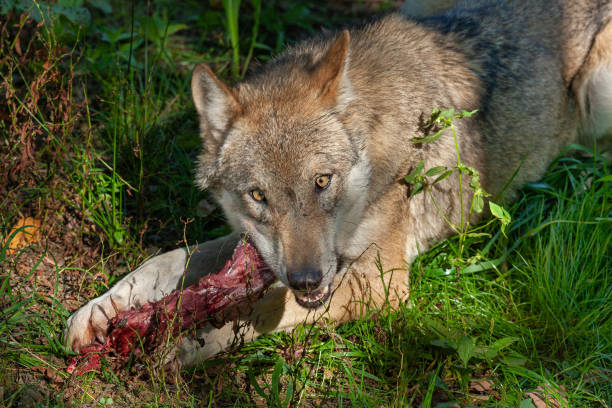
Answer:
(50, 374)
(481, 390)
(543, 397)
(26, 231)
(481, 386)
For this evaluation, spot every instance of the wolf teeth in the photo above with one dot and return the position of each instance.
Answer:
(316, 295)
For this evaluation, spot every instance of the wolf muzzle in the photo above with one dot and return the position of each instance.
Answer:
(305, 279)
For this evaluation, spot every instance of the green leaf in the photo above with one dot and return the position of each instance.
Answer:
(232, 9)
(428, 138)
(604, 179)
(173, 28)
(527, 403)
(490, 353)
(478, 203)
(501, 214)
(48, 12)
(482, 266)
(289, 394)
(276, 377)
(256, 385)
(118, 236)
(419, 167)
(431, 387)
(475, 184)
(447, 113)
(416, 189)
(477, 234)
(78, 15)
(443, 176)
(102, 5)
(466, 114)
(446, 344)
(515, 361)
(413, 176)
(70, 3)
(435, 115)
(465, 349)
(496, 210)
(494, 349)
(503, 343)
(435, 171)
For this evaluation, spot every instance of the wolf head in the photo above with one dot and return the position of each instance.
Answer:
(279, 159)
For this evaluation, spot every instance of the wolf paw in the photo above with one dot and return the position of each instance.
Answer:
(91, 321)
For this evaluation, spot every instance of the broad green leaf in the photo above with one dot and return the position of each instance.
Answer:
(435, 171)
(483, 266)
(102, 5)
(503, 343)
(416, 189)
(465, 349)
(419, 167)
(446, 344)
(173, 28)
(527, 403)
(490, 353)
(70, 3)
(501, 214)
(494, 349)
(412, 177)
(78, 15)
(447, 113)
(443, 176)
(496, 210)
(118, 236)
(48, 13)
(515, 361)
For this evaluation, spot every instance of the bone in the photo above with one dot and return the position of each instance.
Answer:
(215, 299)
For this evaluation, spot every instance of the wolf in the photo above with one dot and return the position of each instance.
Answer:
(309, 154)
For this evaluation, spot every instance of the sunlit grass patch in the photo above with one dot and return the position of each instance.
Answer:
(535, 325)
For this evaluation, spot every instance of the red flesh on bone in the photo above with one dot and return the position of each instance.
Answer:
(215, 299)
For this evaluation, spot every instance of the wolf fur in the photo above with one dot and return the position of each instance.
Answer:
(344, 108)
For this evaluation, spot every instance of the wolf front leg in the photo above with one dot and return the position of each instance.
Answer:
(150, 282)
(358, 290)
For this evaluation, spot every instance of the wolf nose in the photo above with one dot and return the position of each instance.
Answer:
(305, 279)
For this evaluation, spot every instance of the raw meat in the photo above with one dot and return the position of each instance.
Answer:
(216, 299)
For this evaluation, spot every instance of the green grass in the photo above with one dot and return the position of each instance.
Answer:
(542, 318)
(109, 174)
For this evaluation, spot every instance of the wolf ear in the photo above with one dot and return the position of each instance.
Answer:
(216, 105)
(215, 102)
(330, 73)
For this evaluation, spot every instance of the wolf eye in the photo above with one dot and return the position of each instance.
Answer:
(322, 182)
(258, 195)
